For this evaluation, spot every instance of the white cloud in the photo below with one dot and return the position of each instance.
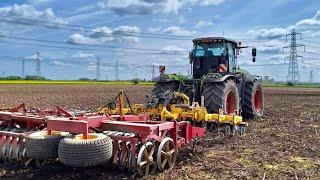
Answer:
(33, 57)
(59, 63)
(202, 24)
(82, 54)
(172, 49)
(38, 2)
(316, 34)
(205, 2)
(273, 33)
(105, 34)
(182, 20)
(154, 29)
(308, 23)
(172, 6)
(270, 50)
(307, 26)
(102, 5)
(80, 39)
(127, 33)
(102, 32)
(176, 30)
(124, 7)
(14, 12)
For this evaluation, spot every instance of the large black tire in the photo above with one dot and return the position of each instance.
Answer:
(162, 87)
(78, 152)
(40, 145)
(221, 95)
(253, 101)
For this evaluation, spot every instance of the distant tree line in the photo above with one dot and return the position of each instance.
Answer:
(134, 81)
(29, 77)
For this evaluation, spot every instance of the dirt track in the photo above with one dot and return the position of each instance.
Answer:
(284, 144)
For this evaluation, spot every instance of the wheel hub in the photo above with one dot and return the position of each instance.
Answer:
(230, 102)
(258, 100)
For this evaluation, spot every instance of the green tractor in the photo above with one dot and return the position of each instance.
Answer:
(216, 81)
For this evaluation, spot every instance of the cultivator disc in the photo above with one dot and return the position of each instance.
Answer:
(12, 147)
(167, 154)
(228, 130)
(124, 154)
(146, 163)
(147, 158)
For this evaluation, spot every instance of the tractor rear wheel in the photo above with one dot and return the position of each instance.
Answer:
(221, 95)
(162, 87)
(79, 152)
(253, 102)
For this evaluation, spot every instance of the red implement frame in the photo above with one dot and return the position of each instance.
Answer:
(181, 132)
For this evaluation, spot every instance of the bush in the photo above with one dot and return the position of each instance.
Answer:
(135, 81)
(12, 78)
(29, 77)
(84, 79)
(290, 84)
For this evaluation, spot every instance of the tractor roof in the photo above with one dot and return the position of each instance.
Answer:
(213, 39)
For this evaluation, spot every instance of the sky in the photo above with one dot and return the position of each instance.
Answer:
(143, 34)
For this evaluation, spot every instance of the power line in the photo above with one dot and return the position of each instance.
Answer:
(312, 53)
(96, 50)
(254, 65)
(89, 45)
(73, 27)
(54, 25)
(83, 28)
(314, 42)
(66, 59)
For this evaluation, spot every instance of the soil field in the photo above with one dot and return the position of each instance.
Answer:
(284, 144)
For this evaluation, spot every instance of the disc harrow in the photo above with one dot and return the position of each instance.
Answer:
(140, 139)
(16, 124)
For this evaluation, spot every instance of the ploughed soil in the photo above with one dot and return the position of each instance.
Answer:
(284, 144)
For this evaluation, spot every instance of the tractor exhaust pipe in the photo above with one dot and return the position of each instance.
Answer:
(202, 101)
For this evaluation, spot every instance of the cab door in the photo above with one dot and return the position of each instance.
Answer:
(232, 58)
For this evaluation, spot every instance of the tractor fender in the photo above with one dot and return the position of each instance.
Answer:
(219, 79)
(170, 77)
(251, 78)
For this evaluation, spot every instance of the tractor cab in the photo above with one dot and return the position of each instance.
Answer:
(213, 55)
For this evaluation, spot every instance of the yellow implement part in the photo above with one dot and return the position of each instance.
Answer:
(167, 115)
(114, 111)
(184, 97)
(198, 114)
(179, 112)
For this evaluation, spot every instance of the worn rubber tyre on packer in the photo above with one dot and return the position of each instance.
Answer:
(40, 145)
(253, 102)
(162, 87)
(221, 95)
(78, 152)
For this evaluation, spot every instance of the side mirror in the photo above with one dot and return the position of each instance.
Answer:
(190, 57)
(254, 54)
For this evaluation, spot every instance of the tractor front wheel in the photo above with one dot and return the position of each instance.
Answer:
(253, 102)
(162, 87)
(221, 95)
